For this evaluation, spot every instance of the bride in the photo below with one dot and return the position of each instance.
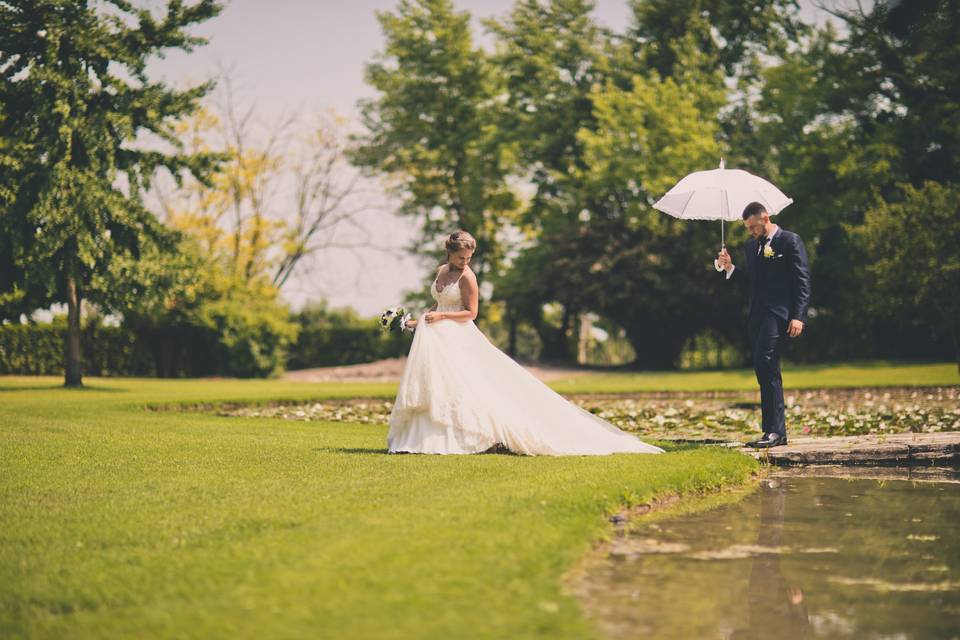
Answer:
(460, 394)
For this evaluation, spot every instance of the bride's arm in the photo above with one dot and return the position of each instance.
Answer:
(470, 294)
(412, 322)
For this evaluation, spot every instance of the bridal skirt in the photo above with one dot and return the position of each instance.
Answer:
(461, 394)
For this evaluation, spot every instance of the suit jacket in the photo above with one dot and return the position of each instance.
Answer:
(779, 284)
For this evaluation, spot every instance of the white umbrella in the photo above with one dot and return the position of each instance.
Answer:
(720, 194)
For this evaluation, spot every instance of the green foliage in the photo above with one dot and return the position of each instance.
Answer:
(647, 135)
(628, 262)
(724, 31)
(915, 243)
(329, 337)
(31, 349)
(829, 119)
(598, 144)
(75, 100)
(549, 55)
(602, 135)
(253, 334)
(192, 320)
(200, 318)
(900, 67)
(242, 338)
(842, 123)
(37, 349)
(432, 128)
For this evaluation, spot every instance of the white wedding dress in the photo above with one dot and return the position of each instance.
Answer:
(460, 394)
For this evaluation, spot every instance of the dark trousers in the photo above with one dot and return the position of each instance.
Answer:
(767, 333)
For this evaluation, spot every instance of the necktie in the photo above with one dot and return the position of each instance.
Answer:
(760, 244)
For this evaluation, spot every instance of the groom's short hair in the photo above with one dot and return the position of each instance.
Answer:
(753, 209)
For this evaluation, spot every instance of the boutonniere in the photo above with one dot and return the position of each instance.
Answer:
(768, 251)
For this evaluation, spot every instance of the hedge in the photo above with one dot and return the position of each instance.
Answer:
(38, 349)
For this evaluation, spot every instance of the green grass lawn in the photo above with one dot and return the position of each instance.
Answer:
(121, 521)
(117, 521)
(858, 374)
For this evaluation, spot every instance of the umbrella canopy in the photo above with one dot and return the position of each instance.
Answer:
(720, 194)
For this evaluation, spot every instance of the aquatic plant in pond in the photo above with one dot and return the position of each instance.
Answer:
(710, 416)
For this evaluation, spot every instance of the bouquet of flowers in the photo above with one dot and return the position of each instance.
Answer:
(394, 319)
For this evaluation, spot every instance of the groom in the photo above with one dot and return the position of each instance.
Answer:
(778, 277)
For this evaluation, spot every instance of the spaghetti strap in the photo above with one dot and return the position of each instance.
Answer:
(436, 281)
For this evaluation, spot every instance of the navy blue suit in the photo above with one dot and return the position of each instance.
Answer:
(779, 288)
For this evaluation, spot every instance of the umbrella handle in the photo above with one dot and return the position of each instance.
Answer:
(723, 245)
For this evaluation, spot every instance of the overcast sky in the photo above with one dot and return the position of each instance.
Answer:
(309, 55)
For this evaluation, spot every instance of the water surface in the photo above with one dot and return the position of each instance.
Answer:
(802, 557)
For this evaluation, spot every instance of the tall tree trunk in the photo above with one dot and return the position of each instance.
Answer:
(554, 342)
(583, 338)
(956, 343)
(73, 373)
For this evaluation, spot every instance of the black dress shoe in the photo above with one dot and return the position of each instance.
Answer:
(768, 440)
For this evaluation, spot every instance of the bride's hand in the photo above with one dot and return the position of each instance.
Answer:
(432, 316)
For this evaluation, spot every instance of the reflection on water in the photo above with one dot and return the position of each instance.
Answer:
(799, 558)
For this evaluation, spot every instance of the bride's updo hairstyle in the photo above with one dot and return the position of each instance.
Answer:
(460, 240)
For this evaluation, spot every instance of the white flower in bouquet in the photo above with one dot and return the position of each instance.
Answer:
(394, 319)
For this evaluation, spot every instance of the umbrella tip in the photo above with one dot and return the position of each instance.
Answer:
(723, 165)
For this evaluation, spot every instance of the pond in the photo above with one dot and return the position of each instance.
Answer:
(727, 416)
(801, 557)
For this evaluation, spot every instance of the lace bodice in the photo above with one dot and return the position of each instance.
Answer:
(449, 299)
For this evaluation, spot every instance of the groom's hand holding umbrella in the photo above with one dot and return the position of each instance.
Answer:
(724, 261)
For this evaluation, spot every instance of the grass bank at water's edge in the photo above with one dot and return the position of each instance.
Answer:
(116, 521)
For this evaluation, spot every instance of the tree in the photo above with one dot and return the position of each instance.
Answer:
(328, 199)
(840, 118)
(76, 101)
(432, 129)
(600, 151)
(648, 272)
(551, 55)
(196, 318)
(915, 244)
(896, 79)
(283, 193)
(900, 71)
(726, 31)
(790, 134)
